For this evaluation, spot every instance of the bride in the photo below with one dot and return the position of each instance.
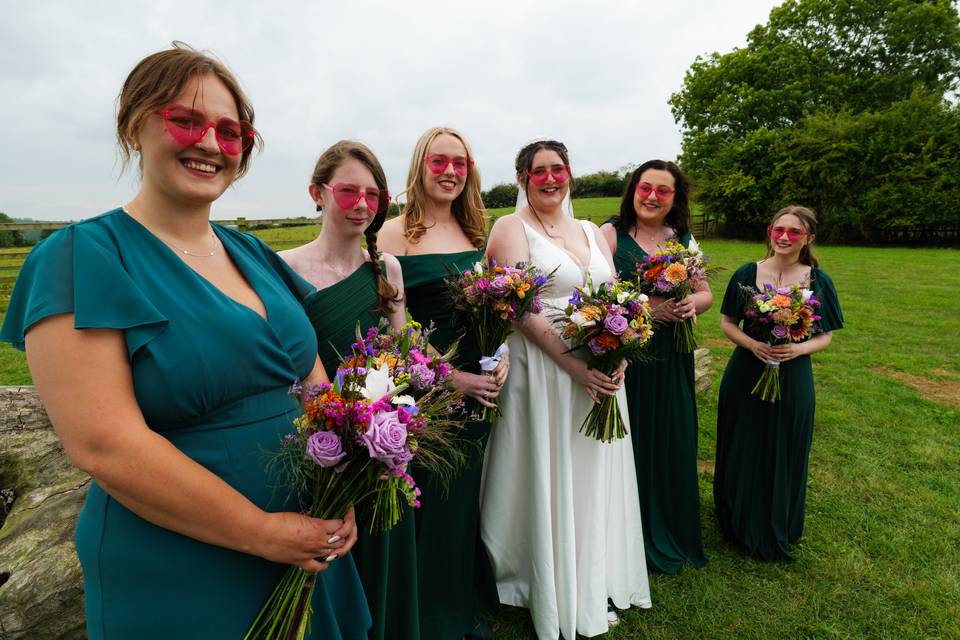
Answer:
(560, 513)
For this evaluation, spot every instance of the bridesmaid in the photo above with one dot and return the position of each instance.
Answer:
(441, 230)
(763, 448)
(661, 394)
(359, 285)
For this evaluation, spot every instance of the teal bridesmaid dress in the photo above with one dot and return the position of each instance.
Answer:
(763, 448)
(387, 562)
(211, 376)
(456, 580)
(662, 401)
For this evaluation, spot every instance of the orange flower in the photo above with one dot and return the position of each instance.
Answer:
(782, 301)
(654, 273)
(590, 312)
(676, 273)
(608, 340)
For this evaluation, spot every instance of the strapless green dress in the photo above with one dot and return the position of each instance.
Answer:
(456, 580)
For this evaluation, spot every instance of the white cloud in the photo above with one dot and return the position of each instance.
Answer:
(596, 75)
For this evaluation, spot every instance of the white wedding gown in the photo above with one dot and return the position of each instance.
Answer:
(560, 514)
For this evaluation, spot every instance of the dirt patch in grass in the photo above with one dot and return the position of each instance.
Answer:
(705, 466)
(942, 386)
(715, 343)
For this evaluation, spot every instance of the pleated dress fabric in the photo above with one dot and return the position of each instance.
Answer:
(662, 401)
(763, 448)
(212, 377)
(386, 561)
(456, 587)
(560, 511)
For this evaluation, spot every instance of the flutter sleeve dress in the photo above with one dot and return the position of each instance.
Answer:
(211, 376)
(763, 448)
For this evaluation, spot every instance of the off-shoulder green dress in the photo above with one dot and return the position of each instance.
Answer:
(760, 479)
(455, 578)
(662, 400)
(387, 562)
(211, 376)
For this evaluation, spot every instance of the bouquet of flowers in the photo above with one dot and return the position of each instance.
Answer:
(354, 444)
(489, 299)
(778, 316)
(673, 273)
(609, 324)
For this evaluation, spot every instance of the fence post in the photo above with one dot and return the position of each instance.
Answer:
(241, 225)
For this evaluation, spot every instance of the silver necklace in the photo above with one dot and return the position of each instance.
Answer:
(179, 249)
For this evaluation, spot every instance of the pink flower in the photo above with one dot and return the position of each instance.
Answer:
(325, 448)
(386, 439)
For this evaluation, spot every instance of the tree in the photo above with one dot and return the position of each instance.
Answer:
(10, 238)
(785, 117)
(501, 195)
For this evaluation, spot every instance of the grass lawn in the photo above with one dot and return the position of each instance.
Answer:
(880, 556)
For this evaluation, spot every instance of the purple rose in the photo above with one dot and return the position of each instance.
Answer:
(779, 332)
(615, 324)
(386, 437)
(501, 285)
(596, 347)
(325, 448)
(422, 376)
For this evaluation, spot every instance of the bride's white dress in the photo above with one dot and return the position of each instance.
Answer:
(560, 514)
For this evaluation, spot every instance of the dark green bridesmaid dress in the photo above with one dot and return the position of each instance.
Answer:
(455, 578)
(662, 401)
(763, 448)
(211, 376)
(387, 562)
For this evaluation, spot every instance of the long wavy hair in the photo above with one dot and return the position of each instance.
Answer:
(387, 294)
(467, 208)
(809, 221)
(678, 218)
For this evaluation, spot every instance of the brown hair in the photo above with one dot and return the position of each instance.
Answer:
(328, 162)
(809, 220)
(524, 162)
(467, 208)
(678, 218)
(158, 78)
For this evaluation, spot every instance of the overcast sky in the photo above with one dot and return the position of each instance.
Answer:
(595, 74)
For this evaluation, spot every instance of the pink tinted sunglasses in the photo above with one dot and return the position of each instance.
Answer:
(347, 196)
(438, 163)
(560, 173)
(188, 126)
(661, 191)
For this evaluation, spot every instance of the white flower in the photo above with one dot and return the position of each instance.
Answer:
(478, 267)
(581, 321)
(623, 296)
(407, 400)
(643, 297)
(378, 383)
(806, 293)
(694, 246)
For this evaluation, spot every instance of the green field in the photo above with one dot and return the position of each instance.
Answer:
(880, 557)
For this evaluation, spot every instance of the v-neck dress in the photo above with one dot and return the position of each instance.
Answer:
(455, 582)
(387, 561)
(763, 448)
(560, 515)
(211, 376)
(661, 394)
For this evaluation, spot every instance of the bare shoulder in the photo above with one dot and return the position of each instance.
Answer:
(508, 223)
(295, 257)
(609, 233)
(391, 237)
(394, 270)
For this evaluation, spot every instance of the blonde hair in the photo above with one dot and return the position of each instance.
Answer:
(387, 294)
(158, 78)
(467, 208)
(809, 221)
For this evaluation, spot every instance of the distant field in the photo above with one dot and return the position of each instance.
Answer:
(880, 556)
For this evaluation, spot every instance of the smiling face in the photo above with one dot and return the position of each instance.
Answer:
(788, 236)
(352, 220)
(197, 174)
(650, 209)
(550, 194)
(446, 186)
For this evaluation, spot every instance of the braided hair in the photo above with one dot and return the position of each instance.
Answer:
(387, 294)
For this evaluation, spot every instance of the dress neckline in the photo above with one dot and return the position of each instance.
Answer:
(584, 271)
(220, 233)
(349, 276)
(756, 274)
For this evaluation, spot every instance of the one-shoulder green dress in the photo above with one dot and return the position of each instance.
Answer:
(387, 562)
(455, 578)
(662, 401)
(760, 479)
(212, 377)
